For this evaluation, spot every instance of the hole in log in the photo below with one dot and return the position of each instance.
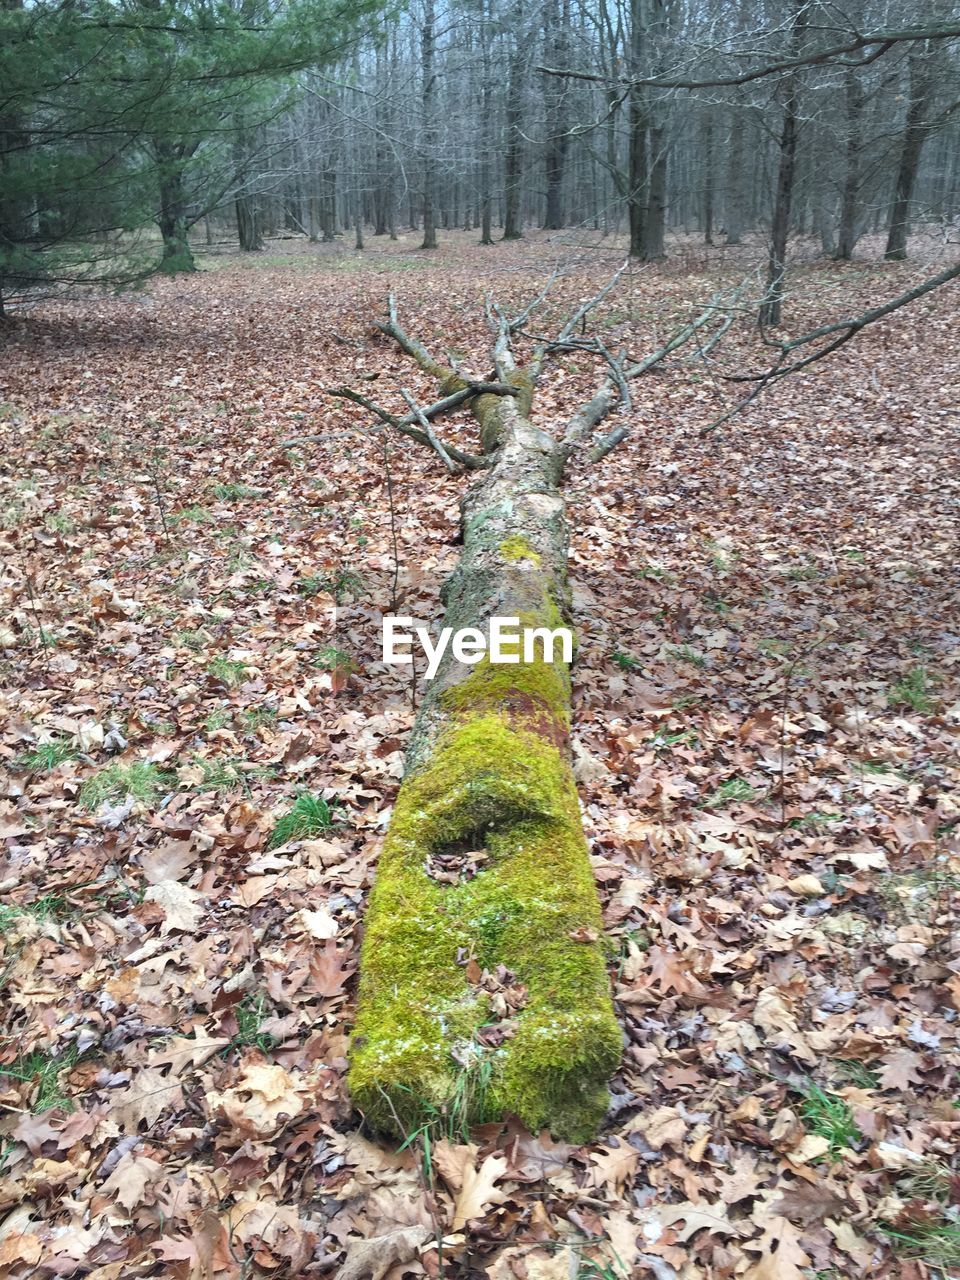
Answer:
(458, 861)
(462, 857)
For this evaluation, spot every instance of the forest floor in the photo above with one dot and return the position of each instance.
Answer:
(200, 748)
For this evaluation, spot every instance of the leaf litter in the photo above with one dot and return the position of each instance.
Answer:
(766, 714)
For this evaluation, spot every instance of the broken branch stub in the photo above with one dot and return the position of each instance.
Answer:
(483, 986)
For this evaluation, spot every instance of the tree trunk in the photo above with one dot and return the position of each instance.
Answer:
(488, 798)
(428, 127)
(914, 136)
(177, 257)
(383, 175)
(245, 207)
(850, 193)
(652, 243)
(328, 207)
(513, 146)
(554, 110)
(733, 197)
(554, 161)
(638, 177)
(772, 306)
(248, 225)
(708, 179)
(486, 132)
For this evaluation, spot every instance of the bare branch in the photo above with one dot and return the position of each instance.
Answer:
(611, 391)
(405, 424)
(521, 318)
(618, 374)
(606, 444)
(718, 304)
(846, 329)
(431, 435)
(885, 40)
(585, 308)
(415, 349)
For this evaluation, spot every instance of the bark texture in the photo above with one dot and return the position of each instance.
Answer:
(488, 773)
(914, 135)
(771, 308)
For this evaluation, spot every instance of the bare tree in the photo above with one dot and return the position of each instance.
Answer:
(916, 127)
(428, 124)
(771, 307)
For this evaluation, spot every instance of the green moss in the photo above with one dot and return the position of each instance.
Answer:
(535, 695)
(517, 548)
(523, 381)
(488, 780)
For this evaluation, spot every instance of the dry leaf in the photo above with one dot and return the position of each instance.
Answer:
(178, 904)
(782, 1255)
(319, 924)
(478, 1190)
(263, 1099)
(372, 1258)
(453, 1161)
(130, 1179)
(806, 886)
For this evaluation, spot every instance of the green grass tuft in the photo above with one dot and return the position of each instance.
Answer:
(44, 1069)
(330, 658)
(339, 584)
(683, 653)
(227, 670)
(251, 1013)
(626, 661)
(233, 492)
(857, 1073)
(195, 514)
(912, 691)
(936, 1243)
(47, 755)
(829, 1116)
(729, 791)
(309, 816)
(216, 719)
(143, 781)
(257, 717)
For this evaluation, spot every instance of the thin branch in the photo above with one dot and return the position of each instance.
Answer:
(720, 302)
(585, 308)
(610, 392)
(618, 373)
(846, 329)
(606, 444)
(523, 316)
(834, 55)
(430, 433)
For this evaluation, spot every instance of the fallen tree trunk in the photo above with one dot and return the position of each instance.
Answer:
(483, 986)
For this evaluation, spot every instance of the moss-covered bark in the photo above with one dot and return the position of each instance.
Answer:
(483, 984)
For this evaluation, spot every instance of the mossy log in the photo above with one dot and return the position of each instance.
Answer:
(489, 792)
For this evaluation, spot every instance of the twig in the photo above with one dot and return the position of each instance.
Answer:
(845, 329)
(153, 473)
(393, 524)
(585, 308)
(606, 444)
(431, 434)
(616, 368)
(405, 424)
(28, 580)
